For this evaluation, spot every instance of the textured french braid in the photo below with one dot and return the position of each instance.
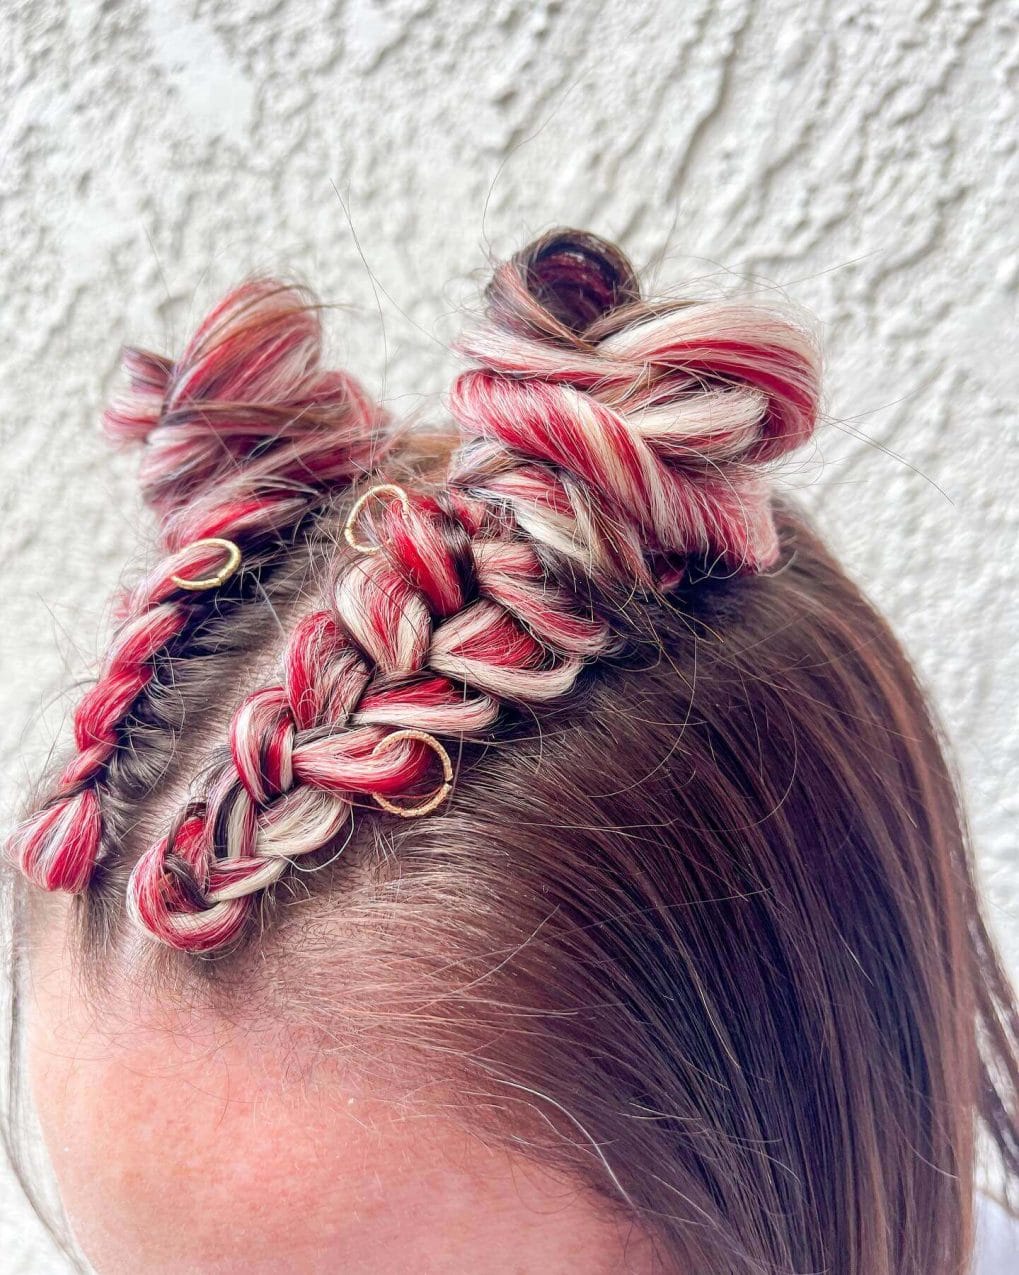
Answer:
(605, 445)
(244, 435)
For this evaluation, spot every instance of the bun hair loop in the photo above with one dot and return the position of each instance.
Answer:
(561, 285)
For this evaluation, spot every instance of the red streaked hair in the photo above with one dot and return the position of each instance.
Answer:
(698, 922)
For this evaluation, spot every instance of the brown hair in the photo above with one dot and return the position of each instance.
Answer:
(706, 935)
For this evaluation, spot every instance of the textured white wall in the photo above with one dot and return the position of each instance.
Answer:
(860, 157)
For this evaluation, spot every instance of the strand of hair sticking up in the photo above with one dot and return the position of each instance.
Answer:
(605, 443)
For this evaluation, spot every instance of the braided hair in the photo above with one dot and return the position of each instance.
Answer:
(605, 445)
(244, 436)
(584, 745)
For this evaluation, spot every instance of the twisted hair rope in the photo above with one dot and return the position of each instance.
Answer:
(243, 436)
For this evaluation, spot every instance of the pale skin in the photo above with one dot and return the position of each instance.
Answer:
(182, 1148)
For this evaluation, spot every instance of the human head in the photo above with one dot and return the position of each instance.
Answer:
(692, 928)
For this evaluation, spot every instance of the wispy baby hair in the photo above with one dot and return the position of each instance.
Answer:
(607, 444)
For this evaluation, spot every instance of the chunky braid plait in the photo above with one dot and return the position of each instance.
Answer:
(605, 444)
(244, 435)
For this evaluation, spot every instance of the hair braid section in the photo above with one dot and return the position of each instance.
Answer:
(452, 620)
(243, 436)
(606, 445)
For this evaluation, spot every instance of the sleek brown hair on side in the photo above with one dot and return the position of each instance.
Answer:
(704, 933)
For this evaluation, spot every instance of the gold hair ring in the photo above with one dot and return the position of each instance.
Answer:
(233, 561)
(383, 489)
(437, 797)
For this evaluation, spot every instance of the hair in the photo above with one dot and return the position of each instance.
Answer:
(685, 900)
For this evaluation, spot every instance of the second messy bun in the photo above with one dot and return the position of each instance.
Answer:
(630, 436)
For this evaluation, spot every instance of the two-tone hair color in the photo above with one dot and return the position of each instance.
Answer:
(660, 756)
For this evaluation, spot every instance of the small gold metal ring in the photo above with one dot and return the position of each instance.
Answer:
(233, 561)
(437, 797)
(383, 489)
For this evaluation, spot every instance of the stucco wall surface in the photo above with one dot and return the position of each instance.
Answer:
(858, 157)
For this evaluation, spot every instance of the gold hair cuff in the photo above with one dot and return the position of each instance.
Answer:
(233, 561)
(383, 489)
(441, 793)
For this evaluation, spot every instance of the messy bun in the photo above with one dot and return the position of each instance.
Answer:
(642, 450)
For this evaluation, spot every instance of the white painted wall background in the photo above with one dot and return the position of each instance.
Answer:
(859, 156)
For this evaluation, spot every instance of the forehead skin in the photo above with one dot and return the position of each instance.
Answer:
(181, 1147)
